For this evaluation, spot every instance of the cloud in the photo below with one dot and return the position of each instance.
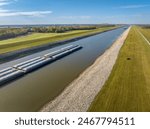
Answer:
(7, 13)
(134, 6)
(6, 2)
(3, 3)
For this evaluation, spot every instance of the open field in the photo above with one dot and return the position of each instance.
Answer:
(37, 36)
(128, 87)
(42, 38)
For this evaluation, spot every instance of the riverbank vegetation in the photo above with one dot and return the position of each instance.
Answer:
(36, 39)
(145, 26)
(6, 33)
(127, 89)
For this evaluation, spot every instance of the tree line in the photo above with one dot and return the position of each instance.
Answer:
(6, 33)
(146, 26)
(60, 29)
(12, 32)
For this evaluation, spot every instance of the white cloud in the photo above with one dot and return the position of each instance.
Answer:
(6, 2)
(6, 13)
(3, 3)
(133, 6)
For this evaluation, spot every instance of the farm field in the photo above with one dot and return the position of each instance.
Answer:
(128, 87)
(36, 39)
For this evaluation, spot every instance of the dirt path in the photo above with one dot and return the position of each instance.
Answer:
(78, 96)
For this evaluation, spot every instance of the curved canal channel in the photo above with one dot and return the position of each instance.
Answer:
(32, 91)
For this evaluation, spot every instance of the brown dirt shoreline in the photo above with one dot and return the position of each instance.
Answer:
(78, 96)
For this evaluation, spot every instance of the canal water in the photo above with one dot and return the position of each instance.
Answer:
(34, 90)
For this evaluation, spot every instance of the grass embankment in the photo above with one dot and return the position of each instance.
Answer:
(42, 38)
(145, 32)
(128, 87)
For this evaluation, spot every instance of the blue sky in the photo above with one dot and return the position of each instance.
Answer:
(74, 11)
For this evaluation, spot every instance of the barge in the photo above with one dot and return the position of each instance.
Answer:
(21, 69)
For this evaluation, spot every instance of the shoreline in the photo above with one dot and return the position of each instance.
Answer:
(78, 96)
(9, 56)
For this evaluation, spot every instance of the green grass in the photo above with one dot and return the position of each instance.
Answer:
(146, 32)
(128, 87)
(37, 39)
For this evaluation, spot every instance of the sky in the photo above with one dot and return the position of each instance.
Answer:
(14, 12)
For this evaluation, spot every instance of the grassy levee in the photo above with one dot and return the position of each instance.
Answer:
(41, 39)
(145, 32)
(128, 86)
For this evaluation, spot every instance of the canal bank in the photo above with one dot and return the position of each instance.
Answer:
(81, 92)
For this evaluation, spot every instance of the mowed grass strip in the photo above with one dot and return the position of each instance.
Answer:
(128, 87)
(145, 32)
(38, 39)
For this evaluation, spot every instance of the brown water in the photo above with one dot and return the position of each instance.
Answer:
(32, 91)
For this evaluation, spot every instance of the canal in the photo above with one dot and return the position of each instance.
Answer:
(33, 90)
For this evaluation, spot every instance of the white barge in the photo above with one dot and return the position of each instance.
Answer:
(18, 70)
